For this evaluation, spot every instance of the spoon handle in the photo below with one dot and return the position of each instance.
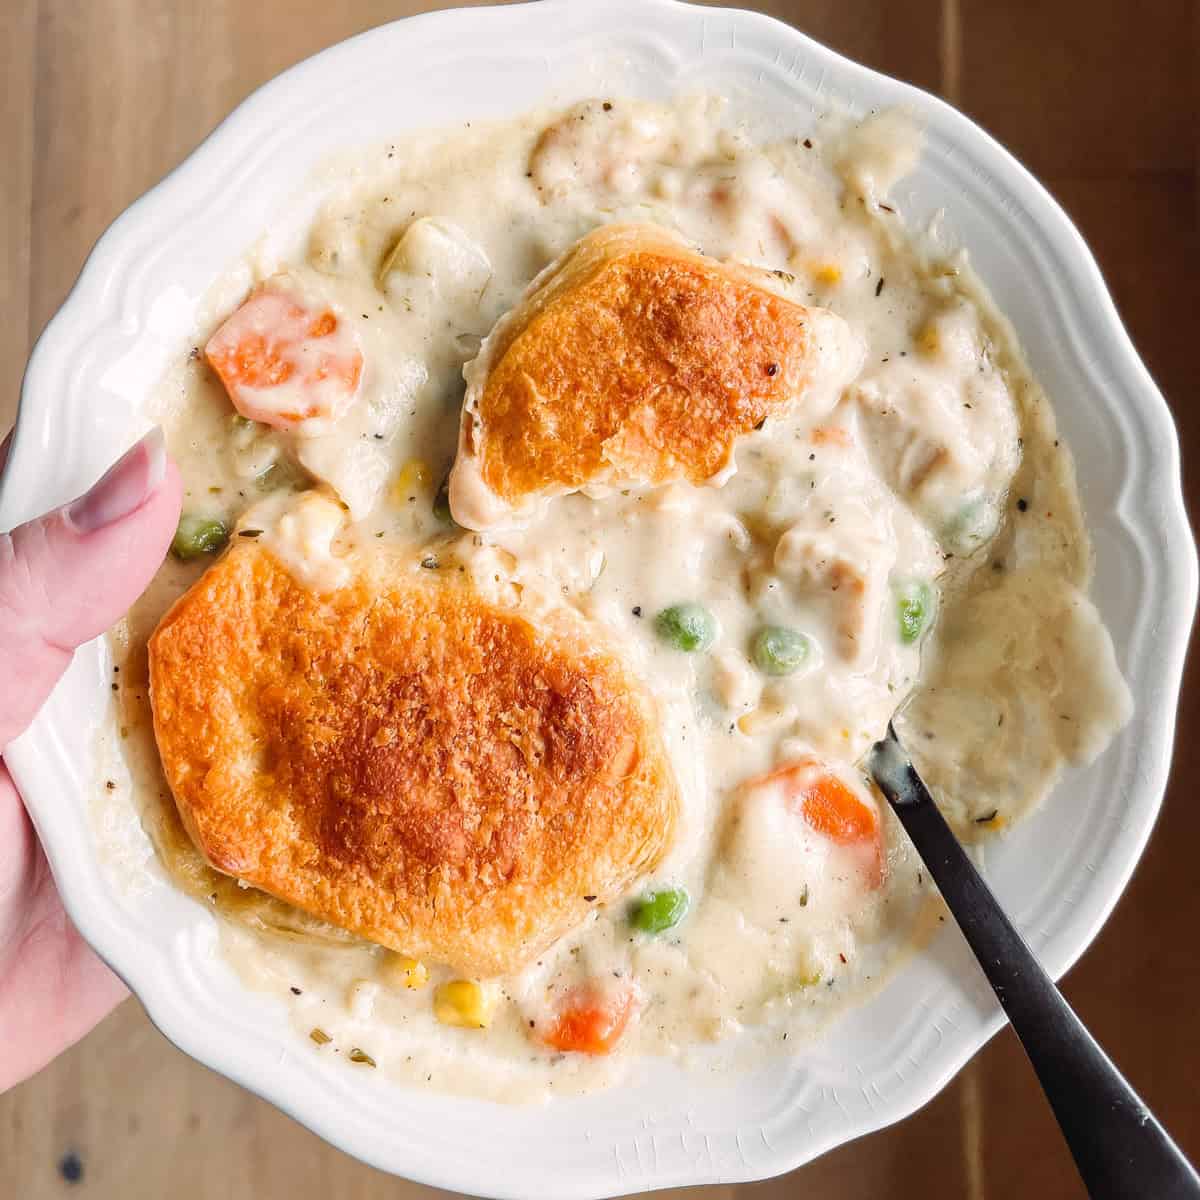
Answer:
(1120, 1149)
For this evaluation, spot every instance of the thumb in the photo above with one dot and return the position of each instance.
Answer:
(67, 576)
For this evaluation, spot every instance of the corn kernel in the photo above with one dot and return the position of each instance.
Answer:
(414, 974)
(828, 274)
(465, 1003)
(928, 341)
(408, 972)
(413, 479)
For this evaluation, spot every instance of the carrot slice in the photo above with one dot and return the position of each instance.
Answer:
(285, 363)
(832, 435)
(591, 1020)
(829, 806)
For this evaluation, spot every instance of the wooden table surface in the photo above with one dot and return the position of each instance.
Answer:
(102, 97)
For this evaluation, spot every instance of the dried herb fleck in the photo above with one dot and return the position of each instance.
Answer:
(320, 1037)
(362, 1057)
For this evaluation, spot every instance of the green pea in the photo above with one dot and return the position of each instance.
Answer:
(441, 503)
(778, 650)
(914, 609)
(686, 627)
(282, 473)
(198, 535)
(656, 912)
(972, 524)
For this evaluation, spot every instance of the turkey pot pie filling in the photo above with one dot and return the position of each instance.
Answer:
(894, 530)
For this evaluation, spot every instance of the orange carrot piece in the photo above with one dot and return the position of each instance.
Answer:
(284, 364)
(832, 435)
(829, 806)
(591, 1020)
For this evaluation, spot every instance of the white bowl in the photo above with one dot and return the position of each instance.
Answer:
(1059, 873)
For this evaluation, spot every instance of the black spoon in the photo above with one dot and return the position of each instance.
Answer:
(1120, 1149)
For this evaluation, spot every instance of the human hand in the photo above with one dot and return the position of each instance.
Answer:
(64, 578)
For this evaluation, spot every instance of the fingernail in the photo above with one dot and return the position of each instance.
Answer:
(126, 485)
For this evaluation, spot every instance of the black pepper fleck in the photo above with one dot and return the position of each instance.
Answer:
(879, 286)
(637, 610)
(772, 369)
(1022, 504)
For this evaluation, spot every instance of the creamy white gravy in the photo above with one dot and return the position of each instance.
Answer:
(928, 476)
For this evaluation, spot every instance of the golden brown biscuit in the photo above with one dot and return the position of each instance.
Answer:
(632, 359)
(426, 769)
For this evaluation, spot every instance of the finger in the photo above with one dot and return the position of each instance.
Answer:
(67, 576)
(53, 988)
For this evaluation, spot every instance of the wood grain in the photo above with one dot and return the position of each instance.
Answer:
(102, 98)
(18, 28)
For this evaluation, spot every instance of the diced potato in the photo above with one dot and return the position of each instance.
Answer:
(437, 252)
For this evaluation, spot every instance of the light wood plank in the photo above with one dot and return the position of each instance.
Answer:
(18, 29)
